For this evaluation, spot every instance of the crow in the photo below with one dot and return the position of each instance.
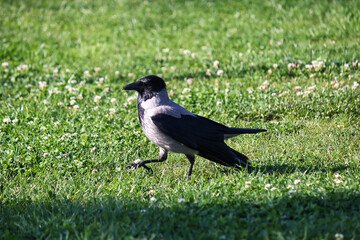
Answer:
(175, 129)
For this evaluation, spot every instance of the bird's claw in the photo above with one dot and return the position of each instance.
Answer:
(133, 166)
(137, 165)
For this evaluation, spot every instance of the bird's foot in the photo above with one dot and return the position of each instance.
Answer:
(138, 164)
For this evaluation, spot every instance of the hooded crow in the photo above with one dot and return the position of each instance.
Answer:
(175, 129)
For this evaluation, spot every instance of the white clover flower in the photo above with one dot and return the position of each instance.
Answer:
(193, 55)
(30, 148)
(56, 123)
(339, 236)
(137, 161)
(97, 69)
(107, 89)
(291, 66)
(190, 81)
(336, 175)
(113, 100)
(275, 66)
(172, 68)
(67, 70)
(290, 187)
(187, 52)
(131, 99)
(42, 128)
(216, 64)
(267, 186)
(311, 88)
(152, 199)
(218, 103)
(46, 154)
(131, 75)
(94, 171)
(97, 99)
(186, 90)
(42, 85)
(338, 181)
(56, 91)
(355, 85)
(163, 69)
(7, 120)
(336, 86)
(297, 88)
(181, 200)
(297, 181)
(269, 71)
(273, 189)
(22, 67)
(94, 149)
(112, 111)
(87, 74)
(208, 72)
(101, 80)
(72, 102)
(76, 107)
(60, 104)
(220, 72)
(80, 97)
(4, 64)
(151, 192)
(165, 50)
(265, 85)
(117, 73)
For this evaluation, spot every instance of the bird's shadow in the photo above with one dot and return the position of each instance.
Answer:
(289, 169)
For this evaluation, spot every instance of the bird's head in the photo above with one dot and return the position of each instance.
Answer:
(148, 85)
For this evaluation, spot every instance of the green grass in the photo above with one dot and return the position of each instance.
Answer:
(63, 156)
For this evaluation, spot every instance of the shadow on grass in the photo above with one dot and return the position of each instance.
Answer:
(287, 169)
(295, 216)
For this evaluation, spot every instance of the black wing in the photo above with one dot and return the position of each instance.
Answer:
(190, 130)
(201, 134)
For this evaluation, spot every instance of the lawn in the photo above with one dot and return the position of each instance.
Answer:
(68, 132)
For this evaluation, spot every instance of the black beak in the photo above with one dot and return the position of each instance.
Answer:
(133, 86)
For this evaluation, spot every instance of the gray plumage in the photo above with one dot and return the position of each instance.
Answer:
(173, 128)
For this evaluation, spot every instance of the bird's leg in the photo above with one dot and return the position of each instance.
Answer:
(162, 157)
(191, 159)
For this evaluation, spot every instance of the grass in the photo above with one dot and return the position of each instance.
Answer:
(290, 67)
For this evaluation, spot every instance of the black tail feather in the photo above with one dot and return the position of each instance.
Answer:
(244, 160)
